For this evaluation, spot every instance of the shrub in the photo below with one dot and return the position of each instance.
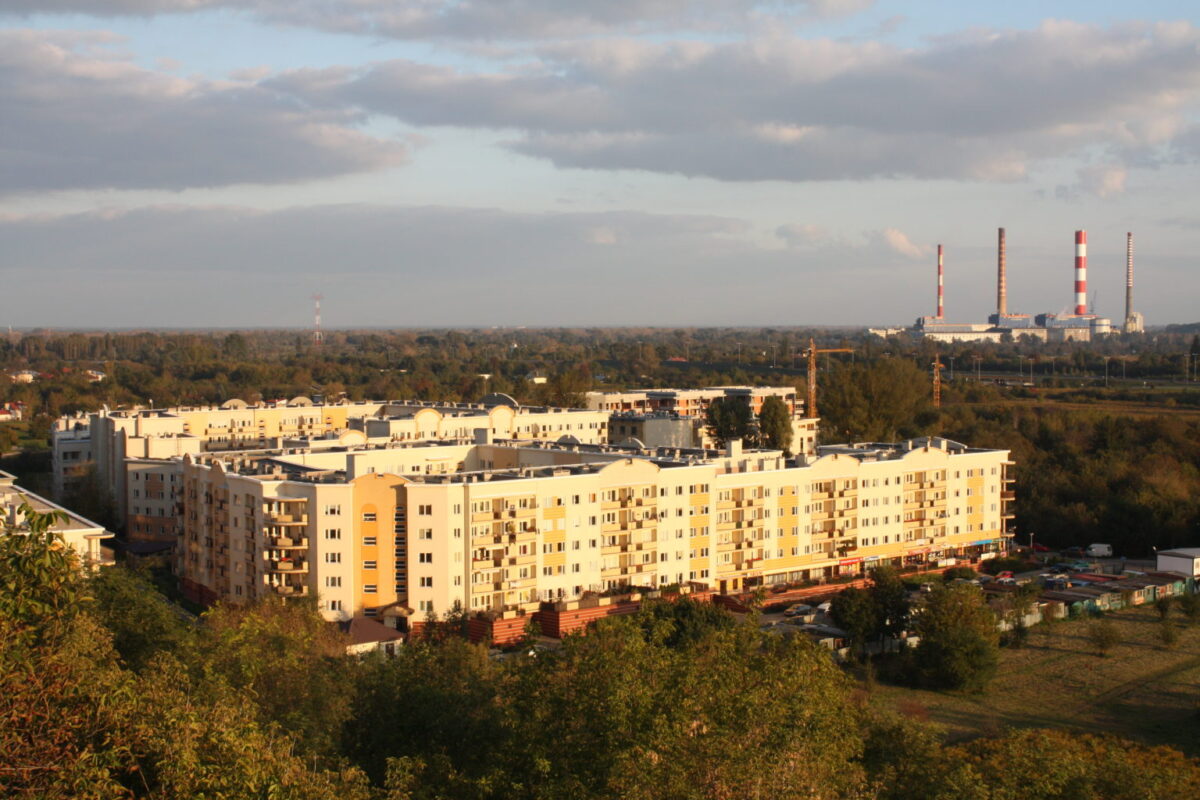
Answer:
(1104, 636)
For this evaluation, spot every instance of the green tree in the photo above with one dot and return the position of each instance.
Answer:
(41, 579)
(1189, 605)
(141, 621)
(729, 418)
(284, 656)
(959, 647)
(775, 425)
(1104, 636)
(856, 612)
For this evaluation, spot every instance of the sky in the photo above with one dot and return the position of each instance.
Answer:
(214, 163)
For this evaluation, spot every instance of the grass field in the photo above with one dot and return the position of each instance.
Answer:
(1140, 689)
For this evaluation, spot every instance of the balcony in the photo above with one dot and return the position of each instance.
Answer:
(291, 590)
(285, 519)
(288, 565)
(290, 542)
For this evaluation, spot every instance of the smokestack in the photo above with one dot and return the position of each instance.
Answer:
(1129, 275)
(1001, 284)
(941, 308)
(1080, 273)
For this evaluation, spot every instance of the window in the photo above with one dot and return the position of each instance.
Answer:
(369, 565)
(368, 541)
(333, 581)
(426, 582)
(425, 605)
(335, 605)
(425, 558)
(333, 510)
(333, 558)
(425, 509)
(370, 588)
(425, 533)
(368, 516)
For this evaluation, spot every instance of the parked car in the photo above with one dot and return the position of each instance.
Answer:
(1099, 551)
(1005, 574)
(799, 610)
(1080, 566)
(1060, 569)
(1072, 552)
(1038, 547)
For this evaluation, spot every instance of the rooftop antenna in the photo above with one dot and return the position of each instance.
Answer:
(317, 336)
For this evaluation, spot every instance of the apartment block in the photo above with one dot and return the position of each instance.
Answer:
(410, 529)
(137, 453)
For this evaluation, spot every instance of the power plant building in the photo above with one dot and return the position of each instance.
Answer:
(1078, 325)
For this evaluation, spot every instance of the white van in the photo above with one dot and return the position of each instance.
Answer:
(1099, 551)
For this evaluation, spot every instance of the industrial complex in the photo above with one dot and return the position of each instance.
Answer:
(1081, 324)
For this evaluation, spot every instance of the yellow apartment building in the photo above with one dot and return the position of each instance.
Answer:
(416, 528)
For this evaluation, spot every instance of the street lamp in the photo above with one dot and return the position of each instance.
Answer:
(952, 369)
(1106, 358)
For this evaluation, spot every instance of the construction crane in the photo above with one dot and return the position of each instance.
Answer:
(938, 366)
(812, 353)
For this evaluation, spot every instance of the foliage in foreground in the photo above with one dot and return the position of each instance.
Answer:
(677, 701)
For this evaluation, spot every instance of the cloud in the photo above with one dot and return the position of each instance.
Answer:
(1103, 180)
(398, 265)
(899, 242)
(799, 235)
(983, 105)
(478, 19)
(78, 116)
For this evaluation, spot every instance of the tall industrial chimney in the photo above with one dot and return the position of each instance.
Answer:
(941, 308)
(1001, 284)
(1128, 277)
(1080, 273)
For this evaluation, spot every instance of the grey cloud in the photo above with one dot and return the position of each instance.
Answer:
(77, 116)
(985, 105)
(476, 19)
(385, 265)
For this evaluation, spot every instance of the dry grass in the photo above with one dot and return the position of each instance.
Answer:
(1140, 689)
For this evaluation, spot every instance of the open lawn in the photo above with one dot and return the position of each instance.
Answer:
(1140, 689)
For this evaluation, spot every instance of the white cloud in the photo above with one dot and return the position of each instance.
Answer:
(985, 106)
(76, 115)
(899, 242)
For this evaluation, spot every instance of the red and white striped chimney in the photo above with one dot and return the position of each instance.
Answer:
(1080, 273)
(941, 307)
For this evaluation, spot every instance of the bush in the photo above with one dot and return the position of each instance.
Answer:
(1189, 604)
(996, 565)
(955, 573)
(1167, 633)
(1104, 636)
(1163, 606)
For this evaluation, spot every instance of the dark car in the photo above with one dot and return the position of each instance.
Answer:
(1072, 552)
(1060, 569)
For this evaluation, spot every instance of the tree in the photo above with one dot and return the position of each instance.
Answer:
(729, 418)
(959, 647)
(41, 580)
(775, 425)
(142, 622)
(1189, 605)
(891, 601)
(1104, 636)
(284, 656)
(856, 612)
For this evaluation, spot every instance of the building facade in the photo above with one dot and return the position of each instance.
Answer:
(420, 529)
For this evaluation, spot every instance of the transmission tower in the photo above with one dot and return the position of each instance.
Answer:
(317, 336)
